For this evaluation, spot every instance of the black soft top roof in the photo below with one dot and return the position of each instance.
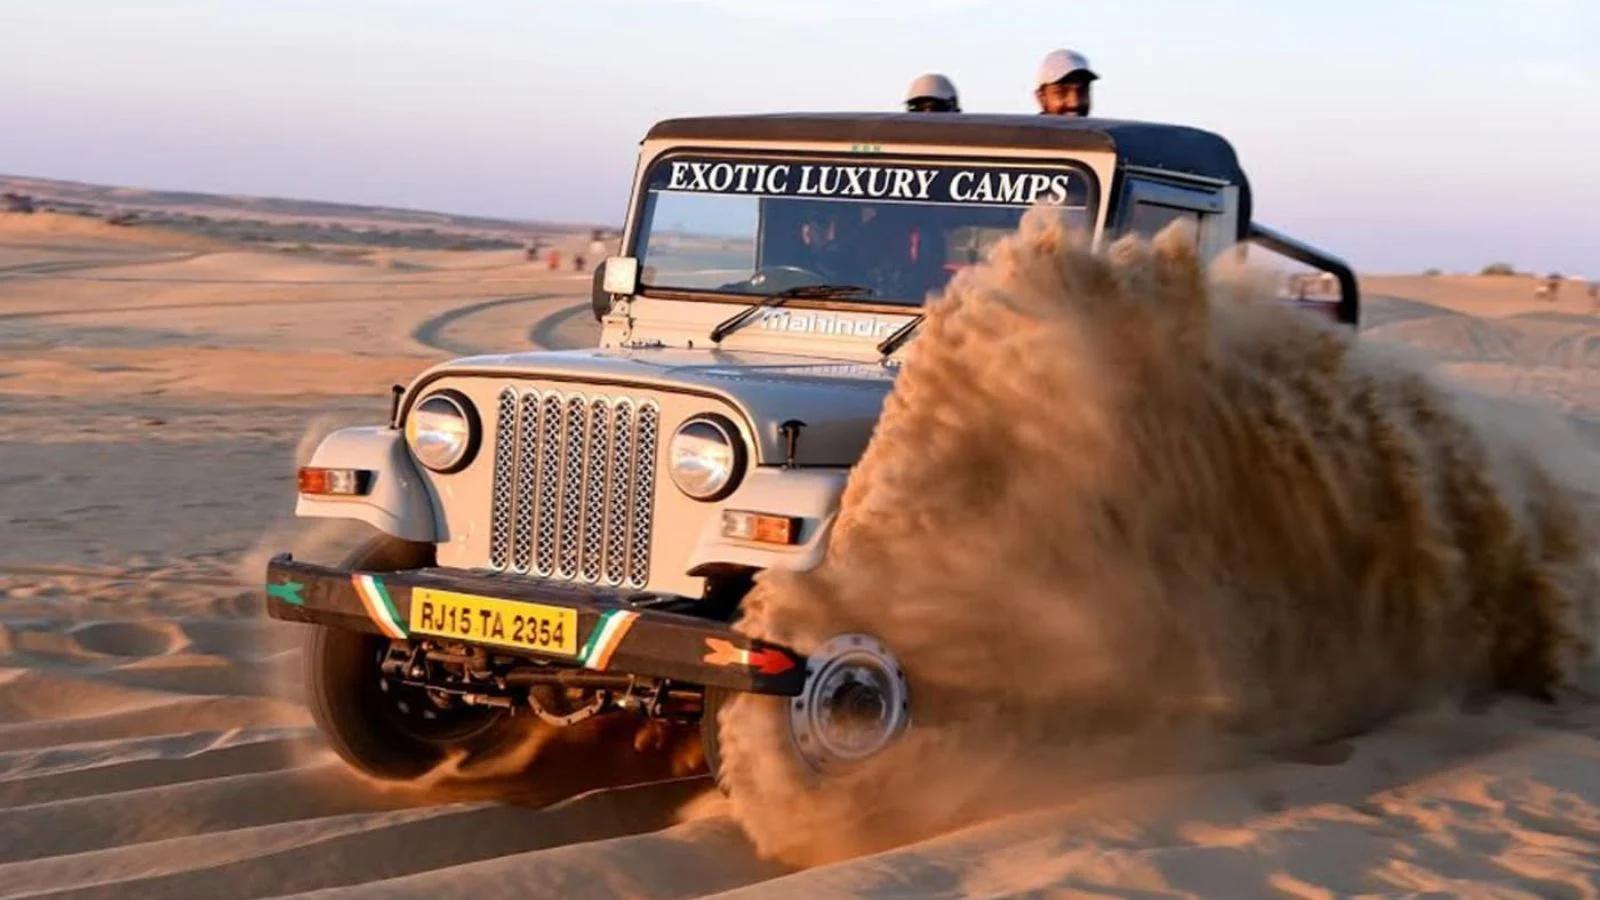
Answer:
(1176, 148)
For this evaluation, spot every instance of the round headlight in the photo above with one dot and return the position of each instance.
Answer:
(443, 431)
(706, 457)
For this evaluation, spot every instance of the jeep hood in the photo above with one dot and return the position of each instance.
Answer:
(838, 400)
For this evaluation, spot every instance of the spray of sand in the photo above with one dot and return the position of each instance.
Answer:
(318, 540)
(1116, 517)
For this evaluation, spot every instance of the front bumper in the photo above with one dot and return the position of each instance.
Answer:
(614, 635)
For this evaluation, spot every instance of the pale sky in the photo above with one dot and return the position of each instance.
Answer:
(1399, 134)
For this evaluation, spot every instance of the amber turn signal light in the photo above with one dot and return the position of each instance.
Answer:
(334, 482)
(760, 527)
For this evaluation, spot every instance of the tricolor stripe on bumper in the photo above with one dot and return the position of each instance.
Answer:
(605, 638)
(380, 608)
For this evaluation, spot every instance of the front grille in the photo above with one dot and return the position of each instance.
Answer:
(573, 486)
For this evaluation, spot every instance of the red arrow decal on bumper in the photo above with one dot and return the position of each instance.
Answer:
(768, 661)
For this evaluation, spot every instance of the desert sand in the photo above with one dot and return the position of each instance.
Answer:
(157, 391)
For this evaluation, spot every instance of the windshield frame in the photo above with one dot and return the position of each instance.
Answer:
(1093, 204)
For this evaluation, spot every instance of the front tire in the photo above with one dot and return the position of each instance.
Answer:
(810, 777)
(380, 727)
(710, 733)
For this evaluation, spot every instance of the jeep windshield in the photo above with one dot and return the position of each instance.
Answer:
(897, 229)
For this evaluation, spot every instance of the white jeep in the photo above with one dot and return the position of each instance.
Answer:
(570, 534)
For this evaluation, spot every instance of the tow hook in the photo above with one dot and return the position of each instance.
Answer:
(602, 699)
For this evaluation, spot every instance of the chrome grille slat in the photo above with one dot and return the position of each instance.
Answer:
(528, 430)
(617, 500)
(596, 481)
(572, 459)
(504, 462)
(642, 512)
(549, 445)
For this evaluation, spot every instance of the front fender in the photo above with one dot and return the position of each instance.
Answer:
(398, 504)
(812, 495)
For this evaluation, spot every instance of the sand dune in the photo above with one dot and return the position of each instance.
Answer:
(42, 235)
(152, 742)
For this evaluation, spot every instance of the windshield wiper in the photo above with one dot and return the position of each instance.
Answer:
(809, 291)
(902, 334)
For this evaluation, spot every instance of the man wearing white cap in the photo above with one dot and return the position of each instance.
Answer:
(1063, 84)
(932, 93)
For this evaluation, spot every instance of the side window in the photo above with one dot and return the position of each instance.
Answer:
(1149, 218)
(1150, 204)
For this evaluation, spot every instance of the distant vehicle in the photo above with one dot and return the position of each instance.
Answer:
(17, 203)
(1307, 288)
(1549, 288)
(570, 534)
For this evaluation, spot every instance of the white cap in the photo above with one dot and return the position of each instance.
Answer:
(1058, 64)
(931, 85)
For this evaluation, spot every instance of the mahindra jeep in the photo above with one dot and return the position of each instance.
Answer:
(570, 534)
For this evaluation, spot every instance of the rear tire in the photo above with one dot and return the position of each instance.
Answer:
(710, 733)
(382, 728)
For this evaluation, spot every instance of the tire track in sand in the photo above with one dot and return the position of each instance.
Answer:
(544, 334)
(58, 268)
(137, 759)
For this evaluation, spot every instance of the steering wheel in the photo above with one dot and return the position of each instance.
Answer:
(772, 279)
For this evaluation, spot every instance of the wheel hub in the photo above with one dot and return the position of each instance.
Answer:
(854, 702)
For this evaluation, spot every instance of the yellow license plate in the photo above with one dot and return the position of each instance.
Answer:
(490, 620)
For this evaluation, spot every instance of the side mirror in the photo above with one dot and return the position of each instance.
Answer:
(622, 275)
(599, 300)
(617, 275)
(1333, 269)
